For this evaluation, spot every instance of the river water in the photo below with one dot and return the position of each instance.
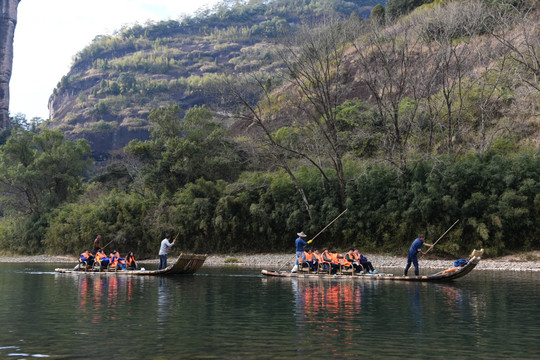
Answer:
(232, 313)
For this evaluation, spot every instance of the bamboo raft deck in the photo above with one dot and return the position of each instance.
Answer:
(184, 264)
(445, 275)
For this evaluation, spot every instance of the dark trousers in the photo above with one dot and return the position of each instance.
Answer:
(162, 262)
(414, 260)
(312, 264)
(367, 266)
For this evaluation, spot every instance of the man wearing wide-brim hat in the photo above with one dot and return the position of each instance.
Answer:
(299, 243)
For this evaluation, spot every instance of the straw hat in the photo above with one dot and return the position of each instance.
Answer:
(301, 234)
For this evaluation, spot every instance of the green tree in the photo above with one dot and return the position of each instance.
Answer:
(40, 171)
(184, 149)
(377, 13)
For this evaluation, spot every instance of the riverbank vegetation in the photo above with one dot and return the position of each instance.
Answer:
(411, 120)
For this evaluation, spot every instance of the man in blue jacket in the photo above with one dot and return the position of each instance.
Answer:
(299, 243)
(416, 248)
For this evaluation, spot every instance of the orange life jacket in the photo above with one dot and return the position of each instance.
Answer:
(326, 256)
(348, 260)
(86, 255)
(334, 257)
(308, 256)
(318, 257)
(100, 256)
(130, 260)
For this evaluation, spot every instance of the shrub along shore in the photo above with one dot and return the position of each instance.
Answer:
(520, 262)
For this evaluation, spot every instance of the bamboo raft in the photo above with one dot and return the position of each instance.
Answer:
(184, 264)
(445, 275)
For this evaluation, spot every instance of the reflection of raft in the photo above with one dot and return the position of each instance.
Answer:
(184, 264)
(449, 274)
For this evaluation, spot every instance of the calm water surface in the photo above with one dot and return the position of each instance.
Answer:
(231, 313)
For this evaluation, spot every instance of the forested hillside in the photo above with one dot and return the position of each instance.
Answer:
(117, 80)
(247, 123)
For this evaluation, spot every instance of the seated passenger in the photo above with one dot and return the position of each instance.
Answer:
(130, 261)
(102, 259)
(368, 267)
(318, 257)
(352, 260)
(327, 260)
(87, 257)
(308, 260)
(116, 261)
(335, 264)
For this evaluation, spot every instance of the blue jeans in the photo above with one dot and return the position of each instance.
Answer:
(412, 259)
(162, 262)
(298, 255)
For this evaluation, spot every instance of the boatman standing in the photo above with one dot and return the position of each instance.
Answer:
(164, 251)
(97, 245)
(299, 243)
(416, 248)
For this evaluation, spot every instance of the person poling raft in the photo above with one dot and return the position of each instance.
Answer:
(416, 247)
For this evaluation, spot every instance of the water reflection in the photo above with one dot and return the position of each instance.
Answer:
(100, 298)
(162, 303)
(340, 314)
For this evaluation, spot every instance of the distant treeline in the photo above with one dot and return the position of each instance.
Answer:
(496, 197)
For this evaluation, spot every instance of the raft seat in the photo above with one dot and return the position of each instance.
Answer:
(320, 267)
(84, 265)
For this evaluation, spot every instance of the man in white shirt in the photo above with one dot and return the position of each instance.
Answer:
(164, 251)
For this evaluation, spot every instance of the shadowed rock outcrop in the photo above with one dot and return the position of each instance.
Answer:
(8, 21)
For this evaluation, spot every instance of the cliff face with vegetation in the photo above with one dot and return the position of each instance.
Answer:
(258, 119)
(116, 81)
(8, 21)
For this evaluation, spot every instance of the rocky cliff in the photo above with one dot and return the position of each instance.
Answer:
(8, 21)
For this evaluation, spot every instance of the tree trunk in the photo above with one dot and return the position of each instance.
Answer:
(8, 20)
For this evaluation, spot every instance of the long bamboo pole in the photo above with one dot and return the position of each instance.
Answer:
(450, 228)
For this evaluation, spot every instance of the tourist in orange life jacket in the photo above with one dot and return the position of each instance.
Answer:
(116, 261)
(130, 261)
(335, 261)
(309, 260)
(327, 260)
(87, 257)
(345, 264)
(318, 257)
(102, 259)
(352, 261)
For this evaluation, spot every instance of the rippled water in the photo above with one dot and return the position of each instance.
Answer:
(231, 313)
